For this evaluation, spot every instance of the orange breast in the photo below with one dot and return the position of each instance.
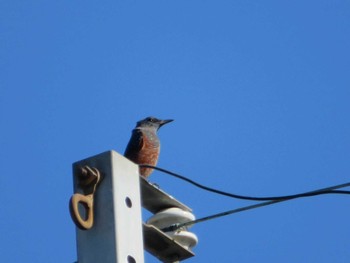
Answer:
(148, 155)
(143, 148)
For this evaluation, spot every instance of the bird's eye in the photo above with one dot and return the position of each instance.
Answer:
(152, 119)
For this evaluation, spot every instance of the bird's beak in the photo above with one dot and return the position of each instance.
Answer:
(162, 122)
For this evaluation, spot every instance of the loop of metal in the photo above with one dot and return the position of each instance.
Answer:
(88, 178)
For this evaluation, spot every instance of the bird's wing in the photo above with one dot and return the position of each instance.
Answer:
(135, 144)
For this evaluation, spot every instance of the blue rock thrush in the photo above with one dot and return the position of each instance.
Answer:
(144, 144)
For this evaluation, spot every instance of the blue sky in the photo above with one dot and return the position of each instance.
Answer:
(260, 96)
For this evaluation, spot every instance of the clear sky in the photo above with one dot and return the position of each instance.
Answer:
(259, 91)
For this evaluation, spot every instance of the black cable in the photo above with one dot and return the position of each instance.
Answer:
(269, 200)
(328, 190)
(275, 198)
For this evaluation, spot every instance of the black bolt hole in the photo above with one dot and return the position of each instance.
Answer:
(128, 202)
(131, 259)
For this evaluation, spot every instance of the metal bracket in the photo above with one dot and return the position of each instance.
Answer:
(88, 179)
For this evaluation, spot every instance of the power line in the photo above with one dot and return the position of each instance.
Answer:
(268, 200)
(271, 198)
(328, 190)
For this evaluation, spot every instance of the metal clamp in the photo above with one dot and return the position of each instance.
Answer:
(88, 179)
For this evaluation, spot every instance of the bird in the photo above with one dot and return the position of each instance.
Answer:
(144, 144)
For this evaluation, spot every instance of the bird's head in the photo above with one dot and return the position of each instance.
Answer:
(152, 122)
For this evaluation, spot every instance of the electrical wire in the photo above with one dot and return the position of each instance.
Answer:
(271, 198)
(328, 190)
(268, 200)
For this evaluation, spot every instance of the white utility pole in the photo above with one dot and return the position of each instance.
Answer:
(106, 208)
(116, 234)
